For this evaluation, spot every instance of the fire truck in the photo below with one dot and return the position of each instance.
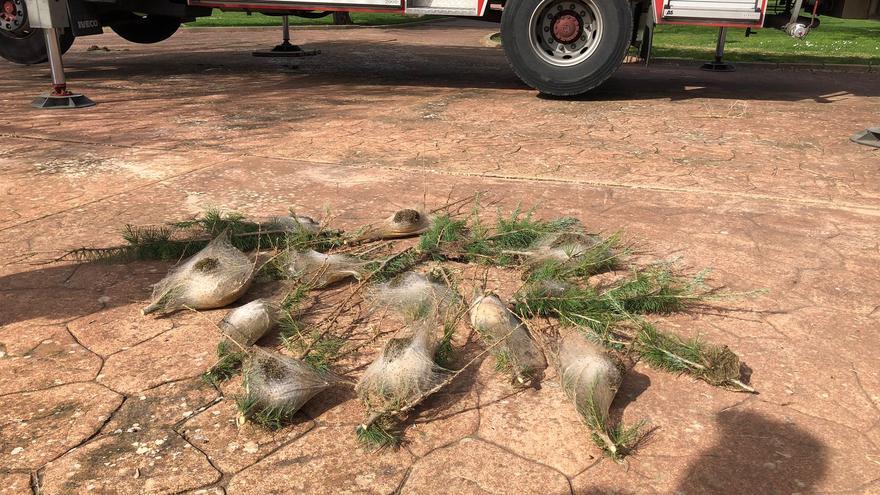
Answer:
(559, 47)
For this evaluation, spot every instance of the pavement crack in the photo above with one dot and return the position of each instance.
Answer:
(219, 472)
(101, 358)
(312, 427)
(533, 461)
(114, 195)
(91, 437)
(403, 481)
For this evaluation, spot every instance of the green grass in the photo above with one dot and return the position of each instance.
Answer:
(843, 41)
(241, 19)
(835, 41)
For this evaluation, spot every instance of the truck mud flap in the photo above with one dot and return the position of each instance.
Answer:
(83, 21)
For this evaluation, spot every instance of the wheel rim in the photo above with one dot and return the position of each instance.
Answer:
(13, 16)
(565, 32)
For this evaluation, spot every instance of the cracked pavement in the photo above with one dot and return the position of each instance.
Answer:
(750, 174)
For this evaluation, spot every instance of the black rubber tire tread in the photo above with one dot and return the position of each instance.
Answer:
(572, 80)
(146, 30)
(30, 49)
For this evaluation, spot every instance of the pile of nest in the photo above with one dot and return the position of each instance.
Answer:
(582, 307)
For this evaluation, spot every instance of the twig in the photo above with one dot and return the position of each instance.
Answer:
(330, 320)
(421, 397)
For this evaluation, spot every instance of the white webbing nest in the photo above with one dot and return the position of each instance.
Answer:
(590, 376)
(212, 278)
(292, 223)
(562, 246)
(404, 370)
(403, 223)
(491, 318)
(319, 269)
(247, 324)
(282, 383)
(417, 296)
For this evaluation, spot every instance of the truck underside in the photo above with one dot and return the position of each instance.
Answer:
(560, 47)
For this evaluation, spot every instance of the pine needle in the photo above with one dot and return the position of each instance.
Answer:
(616, 440)
(271, 418)
(178, 240)
(377, 436)
(227, 366)
(716, 365)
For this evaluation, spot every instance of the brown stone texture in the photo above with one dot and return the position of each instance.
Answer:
(475, 466)
(117, 329)
(56, 360)
(14, 483)
(164, 406)
(186, 351)
(750, 174)
(40, 426)
(232, 447)
(146, 461)
(328, 456)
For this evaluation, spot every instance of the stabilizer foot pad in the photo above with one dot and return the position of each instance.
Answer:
(718, 67)
(869, 137)
(51, 102)
(286, 50)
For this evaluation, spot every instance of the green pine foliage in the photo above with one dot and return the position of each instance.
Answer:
(616, 440)
(604, 256)
(625, 439)
(383, 271)
(652, 290)
(716, 365)
(271, 418)
(512, 233)
(324, 351)
(228, 365)
(443, 354)
(444, 230)
(559, 289)
(178, 240)
(378, 436)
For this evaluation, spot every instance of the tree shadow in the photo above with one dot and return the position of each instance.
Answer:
(58, 293)
(422, 68)
(756, 454)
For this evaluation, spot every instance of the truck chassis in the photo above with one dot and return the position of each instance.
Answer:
(559, 47)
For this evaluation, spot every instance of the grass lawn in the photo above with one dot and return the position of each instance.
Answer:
(240, 19)
(835, 41)
(842, 41)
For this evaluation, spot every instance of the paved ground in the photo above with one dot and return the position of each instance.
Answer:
(749, 173)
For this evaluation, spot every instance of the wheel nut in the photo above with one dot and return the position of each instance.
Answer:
(546, 29)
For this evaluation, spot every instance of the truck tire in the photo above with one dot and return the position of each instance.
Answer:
(146, 29)
(28, 47)
(566, 47)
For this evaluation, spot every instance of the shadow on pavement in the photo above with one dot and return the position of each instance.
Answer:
(364, 68)
(57, 293)
(756, 454)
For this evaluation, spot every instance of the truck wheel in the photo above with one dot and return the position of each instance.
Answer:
(146, 29)
(22, 45)
(566, 47)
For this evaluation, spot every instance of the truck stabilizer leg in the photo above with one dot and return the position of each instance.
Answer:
(60, 96)
(719, 65)
(286, 48)
(869, 137)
